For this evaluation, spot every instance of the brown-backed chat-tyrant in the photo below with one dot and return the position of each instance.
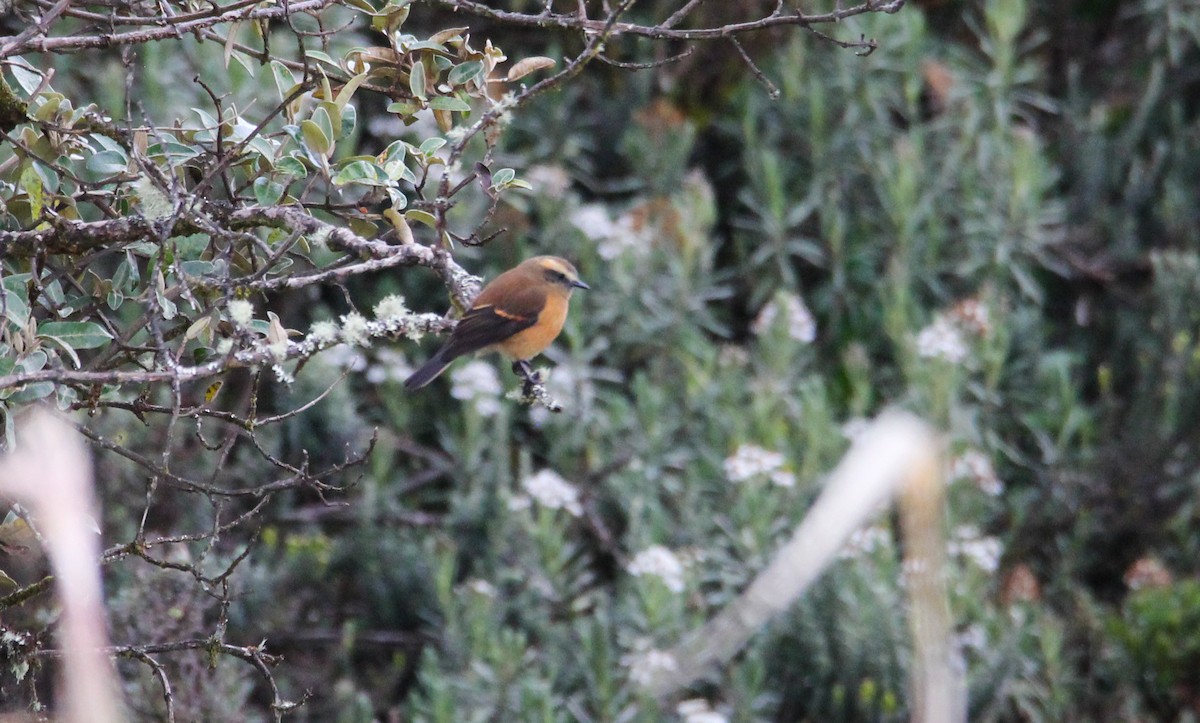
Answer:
(518, 314)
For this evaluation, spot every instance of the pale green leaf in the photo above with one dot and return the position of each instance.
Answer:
(78, 334)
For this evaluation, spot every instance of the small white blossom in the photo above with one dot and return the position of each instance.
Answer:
(613, 238)
(593, 220)
(632, 235)
(660, 562)
(241, 312)
(750, 461)
(323, 332)
(942, 340)
(697, 710)
(983, 552)
(551, 181)
(733, 355)
(516, 503)
(345, 357)
(864, 541)
(801, 325)
(549, 489)
(389, 366)
(354, 329)
(391, 308)
(972, 637)
(477, 382)
(646, 667)
(783, 478)
(913, 568)
(482, 587)
(976, 467)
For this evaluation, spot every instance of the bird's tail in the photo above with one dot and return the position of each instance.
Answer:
(430, 371)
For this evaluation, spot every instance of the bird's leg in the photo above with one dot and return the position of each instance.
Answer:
(522, 369)
(531, 392)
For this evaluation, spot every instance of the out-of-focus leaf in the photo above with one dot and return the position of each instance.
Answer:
(445, 102)
(503, 176)
(416, 80)
(285, 80)
(26, 78)
(31, 183)
(444, 36)
(347, 92)
(403, 231)
(527, 66)
(421, 217)
(316, 138)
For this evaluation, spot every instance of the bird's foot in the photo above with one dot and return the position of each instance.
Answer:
(533, 390)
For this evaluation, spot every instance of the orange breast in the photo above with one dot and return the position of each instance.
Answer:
(529, 343)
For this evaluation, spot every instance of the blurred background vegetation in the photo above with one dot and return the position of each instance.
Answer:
(991, 220)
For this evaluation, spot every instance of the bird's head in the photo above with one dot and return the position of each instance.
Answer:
(556, 271)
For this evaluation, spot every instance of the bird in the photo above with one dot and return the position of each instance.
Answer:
(518, 314)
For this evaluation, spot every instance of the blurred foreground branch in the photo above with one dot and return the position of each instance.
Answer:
(896, 457)
(50, 473)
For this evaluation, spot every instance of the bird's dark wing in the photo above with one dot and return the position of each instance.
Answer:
(493, 321)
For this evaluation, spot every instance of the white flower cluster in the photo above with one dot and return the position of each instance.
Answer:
(698, 710)
(942, 340)
(482, 588)
(751, 460)
(477, 382)
(864, 541)
(801, 325)
(613, 238)
(549, 489)
(984, 552)
(646, 666)
(550, 181)
(346, 357)
(660, 562)
(389, 365)
(973, 637)
(976, 467)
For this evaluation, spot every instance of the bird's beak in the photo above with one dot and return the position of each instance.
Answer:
(579, 284)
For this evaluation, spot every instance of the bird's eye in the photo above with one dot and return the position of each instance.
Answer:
(556, 276)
